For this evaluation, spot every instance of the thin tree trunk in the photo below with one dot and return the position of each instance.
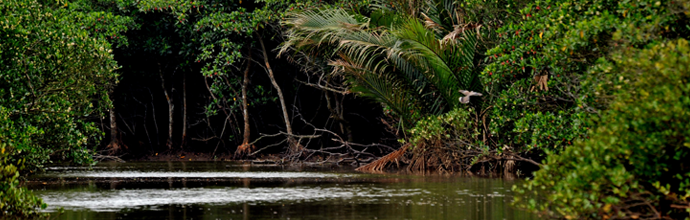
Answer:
(245, 105)
(184, 110)
(155, 122)
(344, 124)
(170, 109)
(337, 114)
(148, 136)
(114, 140)
(245, 147)
(291, 140)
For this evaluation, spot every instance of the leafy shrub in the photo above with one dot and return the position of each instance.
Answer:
(635, 163)
(453, 126)
(15, 200)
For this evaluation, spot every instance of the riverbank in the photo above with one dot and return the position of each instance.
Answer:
(259, 159)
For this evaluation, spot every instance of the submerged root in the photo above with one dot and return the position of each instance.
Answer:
(380, 164)
(100, 158)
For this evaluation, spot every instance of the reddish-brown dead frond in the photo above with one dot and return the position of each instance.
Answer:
(381, 163)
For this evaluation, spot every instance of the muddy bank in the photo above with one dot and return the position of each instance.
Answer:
(200, 156)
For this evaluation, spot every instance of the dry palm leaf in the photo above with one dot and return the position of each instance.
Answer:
(381, 163)
(430, 23)
(541, 81)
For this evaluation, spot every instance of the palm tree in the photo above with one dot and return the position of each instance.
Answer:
(413, 61)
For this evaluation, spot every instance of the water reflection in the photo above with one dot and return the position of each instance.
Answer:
(376, 197)
(115, 200)
(228, 174)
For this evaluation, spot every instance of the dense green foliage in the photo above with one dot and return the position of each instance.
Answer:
(635, 162)
(450, 125)
(630, 164)
(557, 41)
(55, 79)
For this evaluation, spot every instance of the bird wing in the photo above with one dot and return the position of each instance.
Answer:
(475, 94)
(465, 92)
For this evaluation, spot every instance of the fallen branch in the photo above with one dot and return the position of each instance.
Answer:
(283, 141)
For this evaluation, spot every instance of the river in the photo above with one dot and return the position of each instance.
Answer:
(224, 190)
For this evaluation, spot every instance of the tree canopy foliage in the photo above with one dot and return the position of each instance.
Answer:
(54, 82)
(55, 78)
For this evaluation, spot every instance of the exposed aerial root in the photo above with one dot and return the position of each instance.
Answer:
(443, 158)
(244, 149)
(380, 164)
(509, 166)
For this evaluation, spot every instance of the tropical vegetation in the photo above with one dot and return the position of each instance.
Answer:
(592, 73)
(634, 164)
(413, 58)
(592, 94)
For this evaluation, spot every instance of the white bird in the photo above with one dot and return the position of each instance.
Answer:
(466, 98)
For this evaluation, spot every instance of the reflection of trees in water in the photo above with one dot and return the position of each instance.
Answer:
(425, 197)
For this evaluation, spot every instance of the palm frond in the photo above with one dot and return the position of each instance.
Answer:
(411, 64)
(384, 88)
(383, 53)
(312, 29)
(429, 54)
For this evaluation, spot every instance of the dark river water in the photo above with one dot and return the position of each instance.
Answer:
(223, 190)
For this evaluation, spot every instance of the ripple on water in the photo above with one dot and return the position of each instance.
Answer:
(255, 175)
(115, 200)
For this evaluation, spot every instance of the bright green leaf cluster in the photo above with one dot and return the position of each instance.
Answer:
(454, 126)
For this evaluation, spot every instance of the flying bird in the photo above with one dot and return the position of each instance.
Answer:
(468, 94)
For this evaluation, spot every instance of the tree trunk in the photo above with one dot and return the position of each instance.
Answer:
(114, 145)
(294, 146)
(184, 110)
(170, 109)
(245, 147)
(155, 122)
